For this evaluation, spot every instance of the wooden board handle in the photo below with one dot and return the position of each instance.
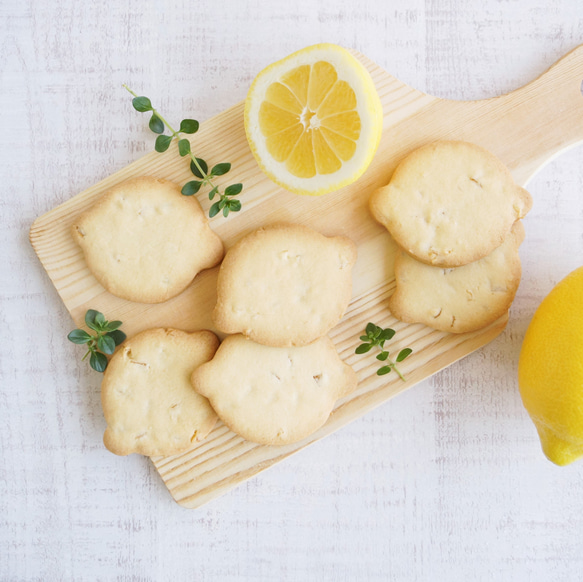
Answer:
(545, 116)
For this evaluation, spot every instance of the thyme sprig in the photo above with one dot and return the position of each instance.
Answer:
(107, 336)
(226, 201)
(377, 336)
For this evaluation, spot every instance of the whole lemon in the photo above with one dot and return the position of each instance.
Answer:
(550, 370)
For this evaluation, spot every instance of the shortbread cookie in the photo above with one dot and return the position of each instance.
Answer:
(148, 401)
(144, 241)
(458, 299)
(284, 285)
(450, 203)
(274, 396)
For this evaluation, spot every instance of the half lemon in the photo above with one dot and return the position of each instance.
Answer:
(314, 120)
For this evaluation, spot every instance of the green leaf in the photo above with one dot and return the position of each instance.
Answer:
(233, 189)
(142, 104)
(234, 205)
(79, 336)
(364, 338)
(222, 203)
(156, 124)
(214, 209)
(189, 126)
(163, 143)
(386, 334)
(213, 192)
(106, 344)
(98, 361)
(403, 354)
(383, 356)
(363, 348)
(183, 147)
(117, 335)
(191, 188)
(370, 329)
(226, 211)
(100, 320)
(220, 169)
(196, 171)
(384, 370)
(90, 319)
(111, 325)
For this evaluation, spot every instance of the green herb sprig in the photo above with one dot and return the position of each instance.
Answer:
(376, 336)
(226, 200)
(107, 337)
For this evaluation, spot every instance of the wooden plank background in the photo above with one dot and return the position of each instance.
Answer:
(451, 483)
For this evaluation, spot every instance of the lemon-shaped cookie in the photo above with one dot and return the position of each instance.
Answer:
(314, 120)
(550, 370)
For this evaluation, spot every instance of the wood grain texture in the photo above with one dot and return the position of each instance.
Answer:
(451, 484)
(411, 119)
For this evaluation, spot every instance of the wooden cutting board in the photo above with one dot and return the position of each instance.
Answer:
(524, 129)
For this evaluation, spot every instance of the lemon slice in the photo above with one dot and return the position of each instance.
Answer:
(314, 120)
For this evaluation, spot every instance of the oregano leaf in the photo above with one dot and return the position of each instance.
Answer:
(196, 171)
(191, 188)
(234, 205)
(403, 354)
(363, 348)
(117, 335)
(79, 336)
(100, 320)
(220, 169)
(156, 124)
(189, 126)
(106, 344)
(162, 143)
(183, 147)
(370, 329)
(98, 361)
(387, 334)
(213, 192)
(233, 189)
(142, 104)
(384, 370)
(214, 209)
(90, 318)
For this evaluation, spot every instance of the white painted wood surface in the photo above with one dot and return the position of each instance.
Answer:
(445, 482)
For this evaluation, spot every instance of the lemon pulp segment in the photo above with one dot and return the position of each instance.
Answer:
(309, 120)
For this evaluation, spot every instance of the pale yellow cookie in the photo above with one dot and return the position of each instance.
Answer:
(144, 241)
(284, 284)
(148, 401)
(274, 396)
(459, 299)
(450, 203)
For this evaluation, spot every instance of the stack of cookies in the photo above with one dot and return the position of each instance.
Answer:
(280, 290)
(454, 210)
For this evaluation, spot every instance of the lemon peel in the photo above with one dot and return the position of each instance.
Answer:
(550, 370)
